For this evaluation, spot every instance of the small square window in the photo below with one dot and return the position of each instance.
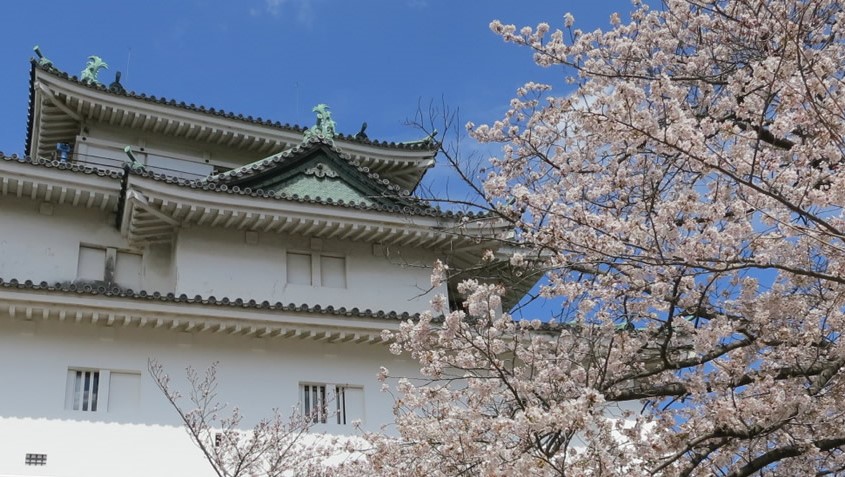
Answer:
(92, 264)
(35, 459)
(124, 392)
(333, 271)
(127, 270)
(299, 268)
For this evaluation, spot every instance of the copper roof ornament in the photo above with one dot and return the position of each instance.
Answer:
(92, 69)
(42, 60)
(133, 162)
(325, 127)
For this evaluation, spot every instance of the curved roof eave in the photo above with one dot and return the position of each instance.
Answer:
(406, 162)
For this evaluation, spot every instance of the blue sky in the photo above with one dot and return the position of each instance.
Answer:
(370, 60)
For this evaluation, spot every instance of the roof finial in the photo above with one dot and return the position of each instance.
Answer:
(42, 60)
(92, 69)
(325, 126)
(116, 87)
(362, 134)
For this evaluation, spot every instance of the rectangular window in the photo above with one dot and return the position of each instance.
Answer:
(92, 264)
(83, 390)
(332, 403)
(299, 268)
(124, 391)
(102, 390)
(109, 265)
(314, 402)
(127, 270)
(353, 405)
(333, 271)
(340, 402)
(304, 268)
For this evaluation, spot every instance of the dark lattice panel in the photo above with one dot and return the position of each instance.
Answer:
(36, 459)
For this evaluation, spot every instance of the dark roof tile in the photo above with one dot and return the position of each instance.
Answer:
(299, 150)
(65, 166)
(423, 209)
(98, 289)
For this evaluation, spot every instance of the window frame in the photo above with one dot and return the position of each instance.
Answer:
(333, 402)
(309, 409)
(109, 276)
(72, 393)
(317, 267)
(103, 402)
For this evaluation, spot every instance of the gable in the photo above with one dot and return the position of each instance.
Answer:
(319, 171)
(322, 181)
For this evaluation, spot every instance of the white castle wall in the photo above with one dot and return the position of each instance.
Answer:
(41, 242)
(222, 263)
(216, 262)
(256, 374)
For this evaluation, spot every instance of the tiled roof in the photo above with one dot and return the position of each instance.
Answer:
(423, 145)
(117, 292)
(417, 207)
(423, 209)
(65, 166)
(305, 147)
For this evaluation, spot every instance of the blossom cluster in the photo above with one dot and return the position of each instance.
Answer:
(687, 199)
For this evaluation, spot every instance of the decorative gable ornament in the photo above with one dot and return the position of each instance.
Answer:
(315, 169)
(321, 170)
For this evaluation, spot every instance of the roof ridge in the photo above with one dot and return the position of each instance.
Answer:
(413, 145)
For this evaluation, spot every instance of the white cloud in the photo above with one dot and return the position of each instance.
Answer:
(303, 8)
(274, 7)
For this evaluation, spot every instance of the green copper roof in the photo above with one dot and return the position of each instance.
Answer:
(318, 174)
(315, 168)
(325, 126)
(327, 187)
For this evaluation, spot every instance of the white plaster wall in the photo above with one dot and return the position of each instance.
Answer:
(99, 156)
(39, 247)
(222, 263)
(256, 374)
(46, 247)
(211, 262)
(179, 157)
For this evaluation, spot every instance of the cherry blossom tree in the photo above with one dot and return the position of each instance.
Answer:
(280, 445)
(686, 200)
